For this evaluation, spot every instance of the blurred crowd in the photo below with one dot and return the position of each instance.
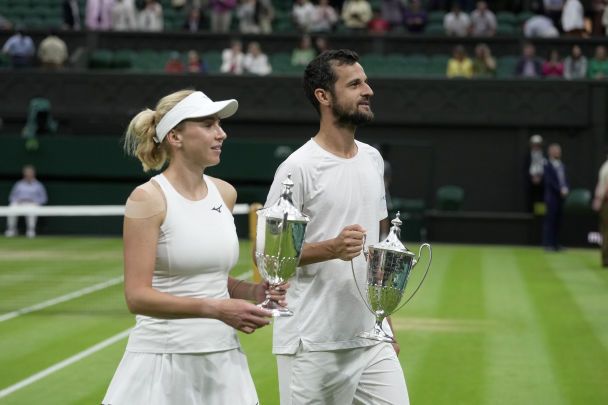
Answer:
(458, 18)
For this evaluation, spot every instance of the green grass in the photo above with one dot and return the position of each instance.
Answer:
(492, 325)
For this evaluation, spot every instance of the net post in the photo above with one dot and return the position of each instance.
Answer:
(253, 222)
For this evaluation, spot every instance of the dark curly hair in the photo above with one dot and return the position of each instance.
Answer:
(319, 73)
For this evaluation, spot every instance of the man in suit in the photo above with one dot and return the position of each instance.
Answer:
(71, 15)
(556, 190)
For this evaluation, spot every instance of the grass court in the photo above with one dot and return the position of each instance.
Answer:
(492, 325)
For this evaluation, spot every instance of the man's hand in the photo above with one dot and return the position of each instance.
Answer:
(349, 243)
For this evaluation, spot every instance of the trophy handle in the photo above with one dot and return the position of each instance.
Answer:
(425, 273)
(352, 267)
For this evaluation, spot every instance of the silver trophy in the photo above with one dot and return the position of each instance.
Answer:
(389, 265)
(279, 240)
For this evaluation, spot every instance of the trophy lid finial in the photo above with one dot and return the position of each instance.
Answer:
(284, 205)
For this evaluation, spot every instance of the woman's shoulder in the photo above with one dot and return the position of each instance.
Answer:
(145, 201)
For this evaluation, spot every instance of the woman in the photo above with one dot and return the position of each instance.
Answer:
(179, 245)
(484, 64)
(459, 65)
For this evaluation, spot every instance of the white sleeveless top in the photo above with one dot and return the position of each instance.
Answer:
(197, 247)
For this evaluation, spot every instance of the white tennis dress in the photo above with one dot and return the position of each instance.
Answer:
(194, 360)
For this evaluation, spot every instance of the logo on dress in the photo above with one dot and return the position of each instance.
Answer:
(218, 208)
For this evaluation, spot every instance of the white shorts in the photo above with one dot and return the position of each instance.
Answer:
(187, 379)
(366, 375)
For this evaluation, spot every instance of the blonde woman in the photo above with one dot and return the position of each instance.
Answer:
(180, 243)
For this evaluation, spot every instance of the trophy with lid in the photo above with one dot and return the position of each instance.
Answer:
(389, 264)
(279, 240)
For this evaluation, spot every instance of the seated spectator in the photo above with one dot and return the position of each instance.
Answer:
(605, 21)
(52, 52)
(245, 12)
(123, 16)
(265, 14)
(5, 24)
(528, 65)
(194, 20)
(393, 12)
(19, 48)
(324, 17)
(415, 17)
(221, 14)
(573, 18)
(178, 5)
(483, 21)
(321, 45)
(98, 15)
(150, 19)
(597, 10)
(196, 64)
(303, 53)
(378, 25)
(356, 14)
(484, 64)
(598, 66)
(71, 15)
(255, 61)
(553, 67)
(456, 23)
(539, 26)
(232, 58)
(174, 64)
(575, 65)
(459, 64)
(27, 192)
(302, 15)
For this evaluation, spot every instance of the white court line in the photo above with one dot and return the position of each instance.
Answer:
(63, 298)
(62, 364)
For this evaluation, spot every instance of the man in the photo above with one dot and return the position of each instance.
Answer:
(483, 21)
(600, 204)
(339, 185)
(556, 190)
(26, 192)
(534, 166)
(20, 48)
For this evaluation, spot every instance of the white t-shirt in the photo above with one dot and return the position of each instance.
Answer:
(196, 249)
(334, 192)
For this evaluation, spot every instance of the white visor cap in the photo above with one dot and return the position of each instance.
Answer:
(196, 105)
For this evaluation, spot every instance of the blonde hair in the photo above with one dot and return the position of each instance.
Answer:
(139, 138)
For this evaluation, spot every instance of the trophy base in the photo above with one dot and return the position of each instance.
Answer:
(377, 333)
(276, 310)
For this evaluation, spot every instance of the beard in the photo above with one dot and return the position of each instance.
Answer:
(350, 118)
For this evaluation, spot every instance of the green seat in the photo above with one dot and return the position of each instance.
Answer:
(450, 198)
(123, 59)
(435, 29)
(504, 30)
(506, 17)
(412, 214)
(101, 59)
(436, 17)
(213, 59)
(523, 17)
(505, 66)
(39, 119)
(578, 201)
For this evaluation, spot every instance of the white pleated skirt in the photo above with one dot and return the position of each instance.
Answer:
(182, 379)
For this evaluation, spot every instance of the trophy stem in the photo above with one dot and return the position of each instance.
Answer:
(276, 309)
(377, 333)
